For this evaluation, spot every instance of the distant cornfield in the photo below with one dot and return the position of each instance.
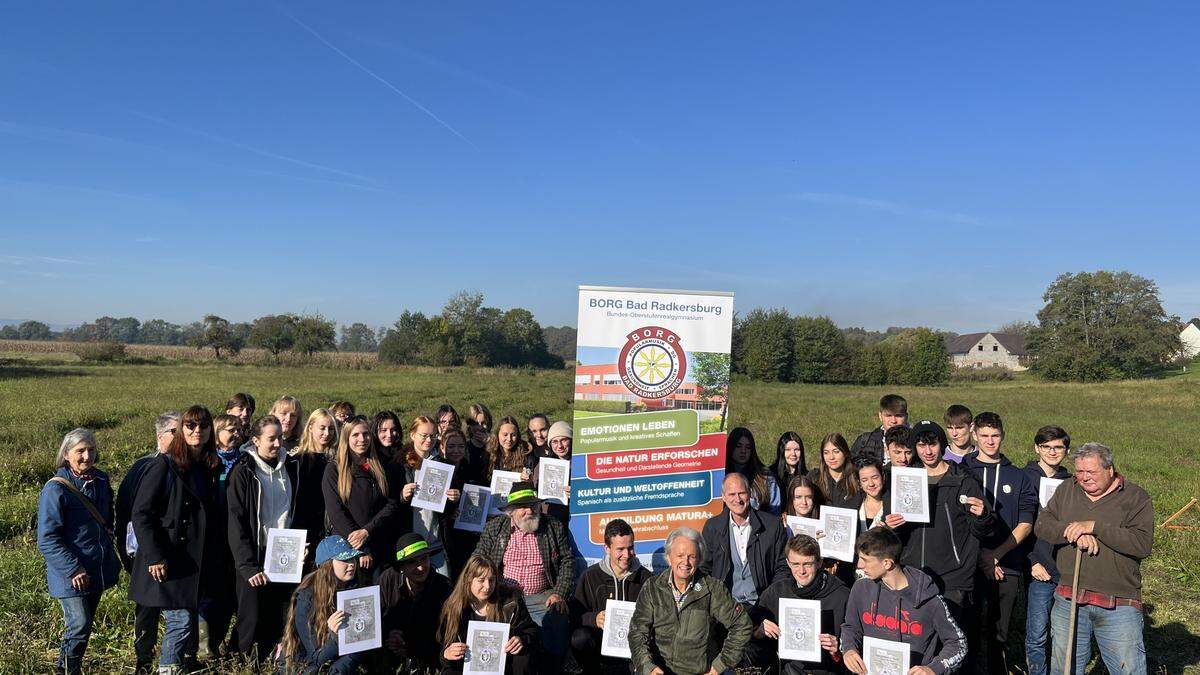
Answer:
(69, 351)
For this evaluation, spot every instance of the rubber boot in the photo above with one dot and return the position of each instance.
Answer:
(204, 650)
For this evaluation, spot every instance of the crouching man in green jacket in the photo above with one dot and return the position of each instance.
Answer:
(674, 627)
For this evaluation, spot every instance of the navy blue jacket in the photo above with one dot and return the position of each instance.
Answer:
(1011, 496)
(1042, 551)
(71, 539)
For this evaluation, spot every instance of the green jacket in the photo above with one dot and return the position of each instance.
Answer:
(683, 641)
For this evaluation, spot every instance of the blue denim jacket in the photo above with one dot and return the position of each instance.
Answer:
(70, 538)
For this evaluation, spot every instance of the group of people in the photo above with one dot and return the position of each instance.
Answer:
(190, 523)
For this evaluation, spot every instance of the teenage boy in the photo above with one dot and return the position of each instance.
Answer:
(807, 582)
(947, 547)
(1051, 444)
(896, 442)
(899, 603)
(893, 411)
(618, 576)
(1004, 558)
(958, 420)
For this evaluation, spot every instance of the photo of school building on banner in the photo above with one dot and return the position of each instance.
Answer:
(650, 411)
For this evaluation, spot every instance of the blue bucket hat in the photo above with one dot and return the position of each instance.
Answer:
(336, 548)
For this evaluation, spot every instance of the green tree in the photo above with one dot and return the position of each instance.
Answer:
(217, 334)
(358, 337)
(765, 344)
(918, 358)
(274, 333)
(712, 375)
(314, 333)
(1102, 325)
(560, 341)
(819, 349)
(159, 332)
(523, 340)
(33, 330)
(404, 340)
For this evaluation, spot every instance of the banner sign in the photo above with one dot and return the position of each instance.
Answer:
(650, 411)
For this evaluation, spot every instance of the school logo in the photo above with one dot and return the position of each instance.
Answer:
(652, 363)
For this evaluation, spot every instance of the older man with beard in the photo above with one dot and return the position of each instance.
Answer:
(534, 555)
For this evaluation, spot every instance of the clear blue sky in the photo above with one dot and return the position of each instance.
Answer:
(883, 163)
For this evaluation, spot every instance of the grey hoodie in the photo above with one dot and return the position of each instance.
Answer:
(915, 615)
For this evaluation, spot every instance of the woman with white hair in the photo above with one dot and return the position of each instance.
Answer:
(75, 514)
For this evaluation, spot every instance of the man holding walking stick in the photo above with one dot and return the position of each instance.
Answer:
(1110, 521)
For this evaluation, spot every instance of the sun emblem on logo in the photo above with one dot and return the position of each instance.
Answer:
(652, 363)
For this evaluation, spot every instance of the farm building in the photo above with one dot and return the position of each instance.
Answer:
(603, 383)
(979, 350)
(1190, 337)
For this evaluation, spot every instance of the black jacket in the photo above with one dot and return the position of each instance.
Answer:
(868, 444)
(311, 509)
(1013, 498)
(415, 618)
(1042, 551)
(124, 506)
(832, 594)
(947, 548)
(171, 517)
(512, 611)
(385, 517)
(598, 585)
(243, 495)
(839, 493)
(765, 553)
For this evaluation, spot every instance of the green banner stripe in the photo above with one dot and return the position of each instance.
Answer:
(512, 496)
(411, 548)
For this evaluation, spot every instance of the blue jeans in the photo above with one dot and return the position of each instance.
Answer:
(1118, 633)
(78, 613)
(1039, 598)
(178, 625)
(553, 624)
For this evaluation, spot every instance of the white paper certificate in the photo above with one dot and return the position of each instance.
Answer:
(884, 657)
(502, 482)
(554, 477)
(473, 508)
(910, 493)
(801, 525)
(284, 561)
(485, 648)
(841, 527)
(364, 626)
(617, 614)
(1046, 488)
(799, 629)
(432, 483)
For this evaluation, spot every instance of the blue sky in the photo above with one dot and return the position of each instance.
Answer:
(886, 164)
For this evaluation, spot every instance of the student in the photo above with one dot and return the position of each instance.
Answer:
(618, 576)
(741, 456)
(264, 491)
(317, 449)
(807, 582)
(899, 603)
(288, 411)
(386, 427)
(447, 419)
(896, 443)
(947, 547)
(241, 406)
(459, 543)
(145, 618)
(479, 595)
(320, 434)
(835, 475)
(411, 595)
(875, 509)
(342, 411)
(1004, 558)
(431, 525)
(959, 427)
(479, 429)
(789, 459)
(310, 642)
(361, 496)
(559, 444)
(75, 515)
(1051, 445)
(893, 411)
(507, 452)
(216, 611)
(803, 499)
(175, 525)
(536, 430)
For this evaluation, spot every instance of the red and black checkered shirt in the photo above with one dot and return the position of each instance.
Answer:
(523, 565)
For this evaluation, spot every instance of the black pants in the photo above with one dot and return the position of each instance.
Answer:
(145, 632)
(261, 615)
(518, 664)
(585, 648)
(965, 612)
(997, 599)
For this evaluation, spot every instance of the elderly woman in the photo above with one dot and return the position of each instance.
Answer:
(75, 512)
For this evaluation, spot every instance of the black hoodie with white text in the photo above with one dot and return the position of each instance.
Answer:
(947, 547)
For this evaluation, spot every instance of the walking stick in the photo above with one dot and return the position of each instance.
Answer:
(1071, 624)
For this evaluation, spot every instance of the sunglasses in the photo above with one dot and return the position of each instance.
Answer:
(192, 426)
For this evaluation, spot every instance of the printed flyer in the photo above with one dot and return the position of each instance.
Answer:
(650, 413)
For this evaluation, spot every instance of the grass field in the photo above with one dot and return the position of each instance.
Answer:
(1152, 425)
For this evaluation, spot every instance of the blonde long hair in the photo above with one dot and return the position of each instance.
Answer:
(308, 441)
(460, 598)
(345, 461)
(323, 584)
(293, 403)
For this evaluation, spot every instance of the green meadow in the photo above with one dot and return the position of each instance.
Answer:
(1153, 426)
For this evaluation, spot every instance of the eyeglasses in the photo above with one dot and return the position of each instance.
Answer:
(423, 436)
(1060, 448)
